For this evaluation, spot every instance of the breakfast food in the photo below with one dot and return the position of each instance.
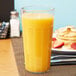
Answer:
(58, 44)
(73, 45)
(54, 39)
(66, 35)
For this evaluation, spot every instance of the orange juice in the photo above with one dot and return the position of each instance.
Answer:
(37, 37)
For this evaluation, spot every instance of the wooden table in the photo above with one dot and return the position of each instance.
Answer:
(8, 65)
(64, 70)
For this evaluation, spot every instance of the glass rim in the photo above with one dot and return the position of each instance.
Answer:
(38, 10)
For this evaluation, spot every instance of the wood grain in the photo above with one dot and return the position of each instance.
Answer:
(7, 59)
(62, 70)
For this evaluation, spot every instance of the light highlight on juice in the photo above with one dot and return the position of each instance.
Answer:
(37, 37)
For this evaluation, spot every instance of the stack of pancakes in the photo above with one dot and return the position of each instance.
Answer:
(67, 34)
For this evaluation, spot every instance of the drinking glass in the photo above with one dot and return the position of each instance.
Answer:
(37, 24)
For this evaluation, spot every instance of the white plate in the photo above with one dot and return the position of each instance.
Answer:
(63, 51)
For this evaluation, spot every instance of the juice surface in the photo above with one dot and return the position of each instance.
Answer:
(37, 37)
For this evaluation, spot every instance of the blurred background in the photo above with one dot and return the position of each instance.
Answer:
(65, 10)
(5, 8)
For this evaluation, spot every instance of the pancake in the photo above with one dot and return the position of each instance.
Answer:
(67, 34)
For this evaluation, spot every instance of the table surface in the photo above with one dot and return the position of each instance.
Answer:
(63, 70)
(8, 65)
